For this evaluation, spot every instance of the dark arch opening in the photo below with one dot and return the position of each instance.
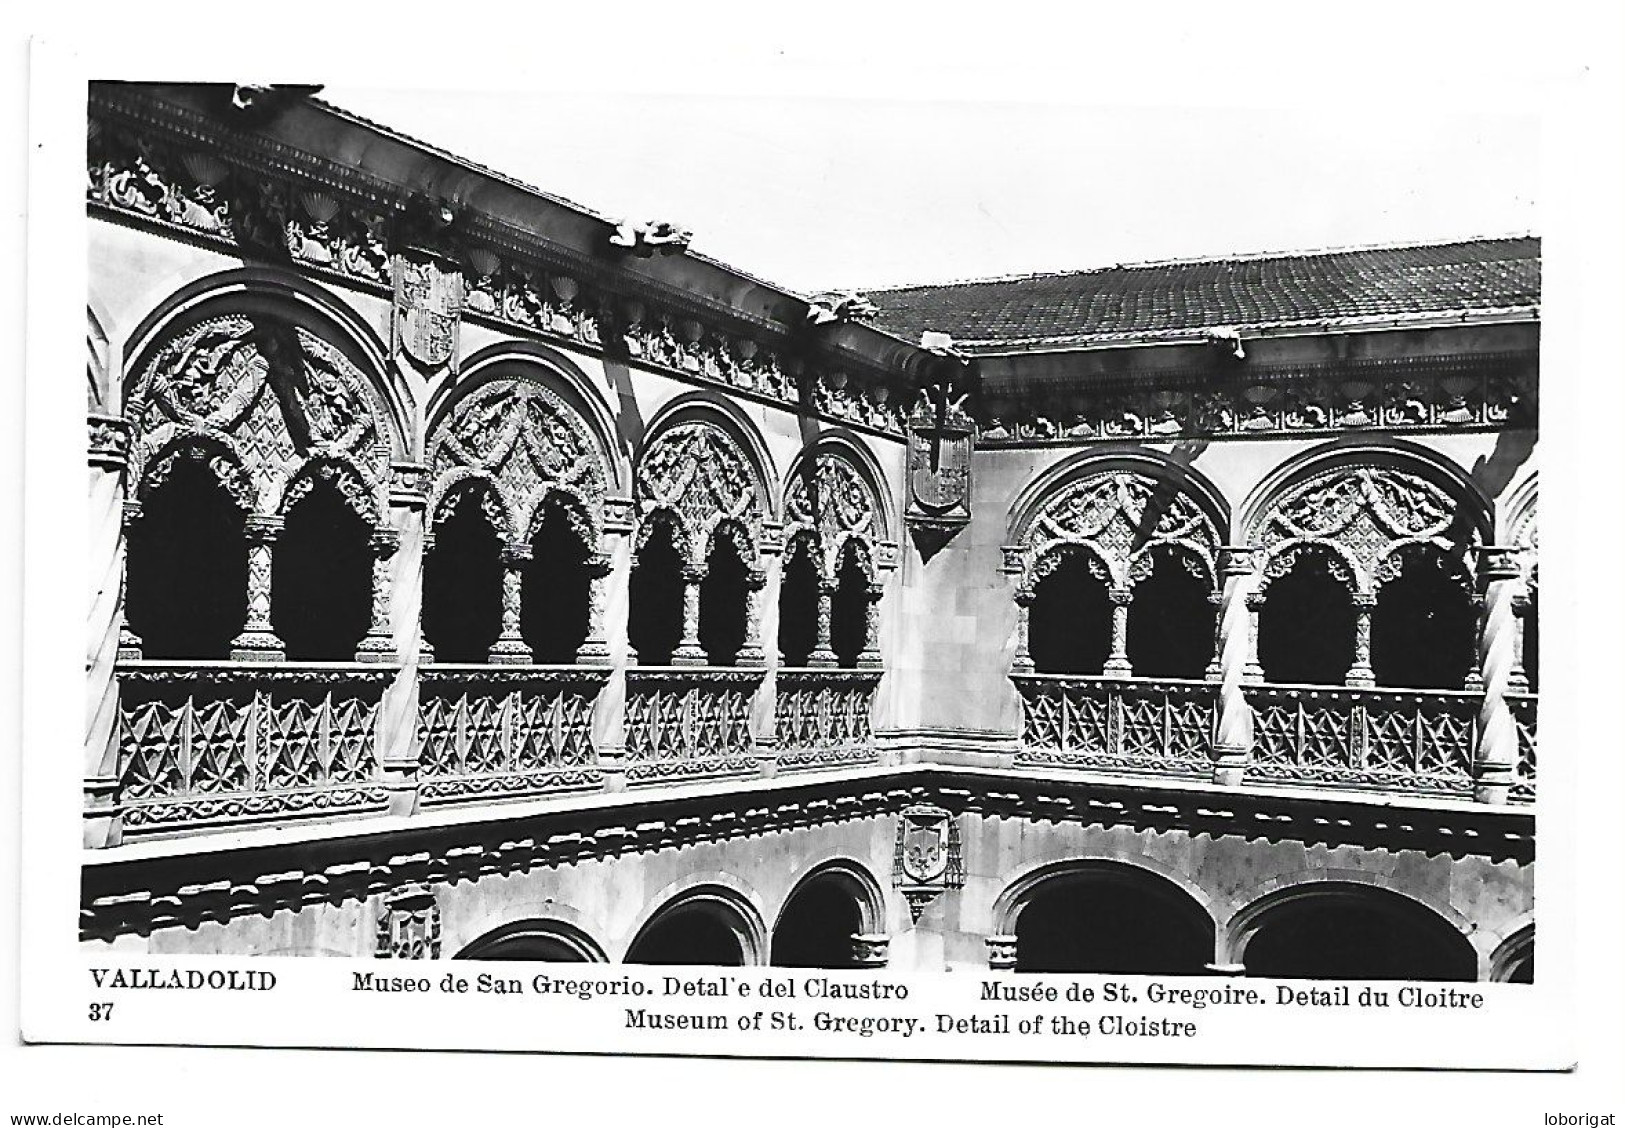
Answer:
(849, 607)
(798, 605)
(817, 925)
(462, 585)
(1170, 622)
(722, 603)
(692, 933)
(1112, 922)
(1357, 934)
(537, 942)
(655, 614)
(186, 583)
(1424, 627)
(1069, 624)
(321, 578)
(1306, 625)
(557, 588)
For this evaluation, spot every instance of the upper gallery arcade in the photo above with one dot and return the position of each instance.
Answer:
(418, 494)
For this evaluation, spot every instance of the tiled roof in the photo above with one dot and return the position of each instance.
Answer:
(1158, 300)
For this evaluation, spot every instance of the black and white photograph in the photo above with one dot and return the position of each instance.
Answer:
(939, 576)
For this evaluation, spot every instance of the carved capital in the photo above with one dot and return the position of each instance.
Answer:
(1238, 559)
(1499, 562)
(261, 528)
(408, 484)
(618, 515)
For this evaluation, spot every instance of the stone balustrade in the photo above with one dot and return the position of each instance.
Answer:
(1161, 726)
(822, 717)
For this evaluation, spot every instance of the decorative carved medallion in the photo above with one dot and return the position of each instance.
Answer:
(928, 858)
(428, 308)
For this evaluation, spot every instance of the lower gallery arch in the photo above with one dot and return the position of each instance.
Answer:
(826, 909)
(549, 941)
(1109, 917)
(1514, 960)
(1345, 930)
(711, 926)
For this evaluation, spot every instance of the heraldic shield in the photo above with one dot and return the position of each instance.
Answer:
(428, 309)
(928, 857)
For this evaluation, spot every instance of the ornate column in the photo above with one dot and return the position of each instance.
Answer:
(1253, 672)
(869, 658)
(129, 643)
(594, 649)
(609, 711)
(398, 718)
(1117, 664)
(379, 643)
(870, 949)
(765, 628)
(751, 652)
(823, 655)
(509, 648)
(1022, 663)
(1233, 738)
(1360, 674)
(258, 642)
(1518, 679)
(689, 652)
(1495, 761)
(107, 635)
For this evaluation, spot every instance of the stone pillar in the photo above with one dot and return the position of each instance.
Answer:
(1117, 664)
(1233, 737)
(1360, 674)
(1518, 679)
(869, 658)
(1495, 761)
(764, 627)
(1001, 953)
(379, 643)
(509, 648)
(609, 711)
(1022, 663)
(752, 652)
(870, 949)
(689, 652)
(258, 642)
(1253, 672)
(594, 649)
(398, 718)
(823, 655)
(107, 634)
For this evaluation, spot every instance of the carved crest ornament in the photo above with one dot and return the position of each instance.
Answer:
(428, 308)
(928, 859)
(940, 442)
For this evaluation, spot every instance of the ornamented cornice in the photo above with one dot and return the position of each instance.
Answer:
(180, 171)
(1411, 394)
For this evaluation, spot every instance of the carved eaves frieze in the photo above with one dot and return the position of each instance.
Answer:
(1413, 394)
(181, 173)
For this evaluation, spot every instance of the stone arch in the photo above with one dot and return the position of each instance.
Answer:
(197, 445)
(1437, 928)
(528, 939)
(463, 485)
(346, 476)
(1513, 959)
(824, 912)
(100, 387)
(833, 493)
(270, 376)
(1106, 915)
(285, 296)
(1120, 504)
(1361, 500)
(703, 466)
(722, 900)
(533, 435)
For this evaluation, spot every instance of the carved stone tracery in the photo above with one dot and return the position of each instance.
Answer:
(697, 474)
(835, 508)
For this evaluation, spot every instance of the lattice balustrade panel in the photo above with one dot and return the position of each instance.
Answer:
(1524, 708)
(1361, 738)
(822, 716)
(507, 731)
(689, 723)
(1116, 724)
(206, 744)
